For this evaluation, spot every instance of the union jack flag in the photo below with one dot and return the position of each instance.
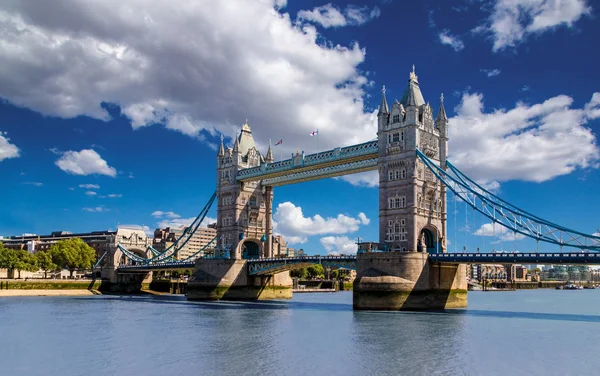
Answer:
(279, 142)
(314, 133)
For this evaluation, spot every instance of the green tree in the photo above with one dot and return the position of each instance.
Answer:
(73, 254)
(316, 271)
(44, 261)
(299, 273)
(8, 259)
(25, 261)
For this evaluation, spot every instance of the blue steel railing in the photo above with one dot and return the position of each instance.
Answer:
(337, 154)
(518, 258)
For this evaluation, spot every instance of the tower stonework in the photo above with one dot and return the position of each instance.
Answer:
(412, 213)
(244, 212)
(412, 202)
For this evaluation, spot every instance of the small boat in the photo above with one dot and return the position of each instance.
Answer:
(559, 287)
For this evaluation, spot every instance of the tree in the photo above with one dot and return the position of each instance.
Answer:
(316, 271)
(25, 261)
(300, 273)
(73, 254)
(44, 261)
(8, 259)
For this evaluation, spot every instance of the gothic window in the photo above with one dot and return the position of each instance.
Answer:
(227, 221)
(227, 200)
(396, 137)
(402, 222)
(389, 138)
(391, 203)
(244, 219)
(397, 228)
(402, 136)
(403, 173)
(391, 175)
(252, 201)
(420, 116)
(397, 174)
(396, 119)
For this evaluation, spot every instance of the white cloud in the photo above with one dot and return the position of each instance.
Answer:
(491, 72)
(184, 67)
(338, 245)
(512, 21)
(331, 16)
(7, 150)
(362, 179)
(451, 40)
(91, 193)
(183, 222)
(34, 183)
(499, 231)
(97, 209)
(169, 214)
(534, 142)
(89, 186)
(289, 221)
(114, 195)
(85, 162)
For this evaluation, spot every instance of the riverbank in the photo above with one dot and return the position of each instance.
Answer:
(35, 292)
(56, 287)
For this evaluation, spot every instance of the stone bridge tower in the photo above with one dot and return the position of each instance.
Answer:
(244, 210)
(412, 202)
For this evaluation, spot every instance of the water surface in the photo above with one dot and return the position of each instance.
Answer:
(539, 332)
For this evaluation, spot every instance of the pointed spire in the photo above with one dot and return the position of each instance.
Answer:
(383, 108)
(441, 116)
(269, 158)
(236, 144)
(221, 148)
(412, 95)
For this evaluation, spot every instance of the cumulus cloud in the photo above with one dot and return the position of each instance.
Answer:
(84, 162)
(499, 231)
(511, 21)
(491, 72)
(289, 221)
(169, 214)
(531, 142)
(451, 40)
(7, 150)
(183, 222)
(89, 186)
(193, 71)
(331, 16)
(339, 245)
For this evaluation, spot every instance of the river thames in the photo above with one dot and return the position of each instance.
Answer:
(540, 332)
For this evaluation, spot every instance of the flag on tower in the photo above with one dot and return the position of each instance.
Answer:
(314, 133)
(279, 142)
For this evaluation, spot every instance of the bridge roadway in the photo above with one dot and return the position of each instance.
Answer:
(281, 264)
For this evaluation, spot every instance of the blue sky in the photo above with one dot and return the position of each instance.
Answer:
(110, 113)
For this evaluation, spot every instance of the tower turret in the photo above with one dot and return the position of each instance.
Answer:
(269, 158)
(384, 113)
(221, 148)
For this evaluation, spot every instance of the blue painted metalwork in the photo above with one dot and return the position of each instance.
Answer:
(323, 172)
(100, 260)
(167, 254)
(336, 156)
(278, 265)
(570, 258)
(506, 214)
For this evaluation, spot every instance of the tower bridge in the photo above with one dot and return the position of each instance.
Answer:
(409, 267)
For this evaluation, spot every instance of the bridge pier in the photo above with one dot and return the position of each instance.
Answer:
(228, 279)
(407, 281)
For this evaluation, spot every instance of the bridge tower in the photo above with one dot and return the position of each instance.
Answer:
(412, 213)
(412, 202)
(244, 210)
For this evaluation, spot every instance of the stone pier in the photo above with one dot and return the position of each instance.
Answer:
(407, 281)
(228, 279)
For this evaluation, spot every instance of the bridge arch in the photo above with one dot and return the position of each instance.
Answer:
(429, 240)
(121, 259)
(251, 249)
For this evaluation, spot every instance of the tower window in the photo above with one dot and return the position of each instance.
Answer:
(396, 119)
(403, 173)
(401, 136)
(396, 137)
(391, 175)
(252, 201)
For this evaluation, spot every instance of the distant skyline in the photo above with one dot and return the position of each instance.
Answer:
(114, 122)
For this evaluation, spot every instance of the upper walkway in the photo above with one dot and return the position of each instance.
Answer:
(299, 168)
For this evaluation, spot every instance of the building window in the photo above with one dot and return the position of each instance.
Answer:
(396, 119)
(402, 136)
(397, 174)
(403, 173)
(396, 137)
(259, 223)
(397, 203)
(391, 175)
(402, 222)
(252, 201)
(253, 222)
(227, 221)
